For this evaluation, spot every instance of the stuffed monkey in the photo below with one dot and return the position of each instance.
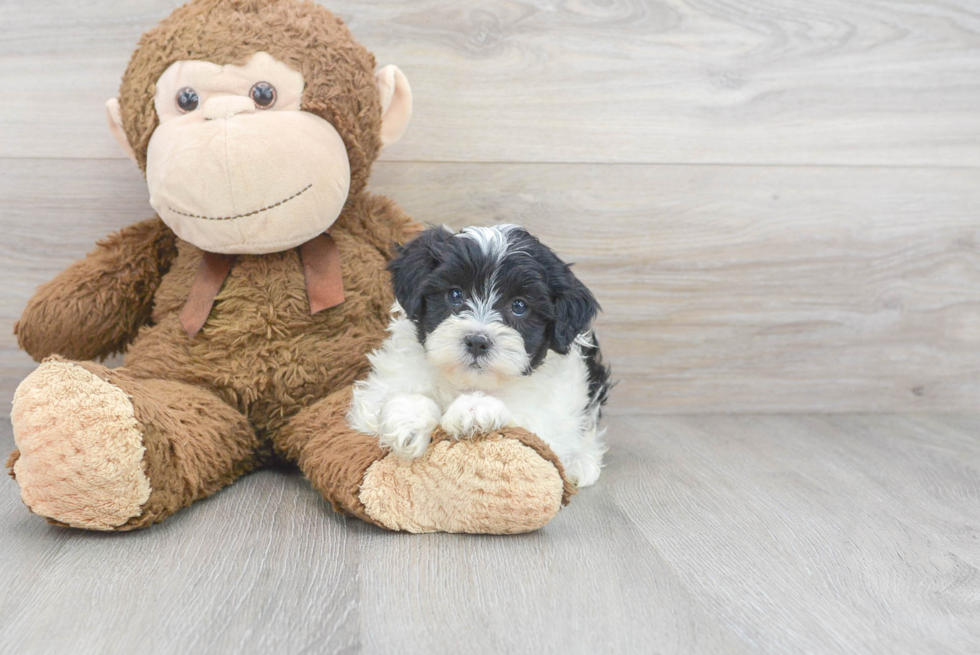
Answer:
(248, 305)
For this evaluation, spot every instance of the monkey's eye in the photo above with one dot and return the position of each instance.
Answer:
(455, 297)
(187, 100)
(519, 307)
(263, 94)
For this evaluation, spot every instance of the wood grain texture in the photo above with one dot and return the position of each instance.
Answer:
(645, 81)
(753, 534)
(858, 519)
(724, 288)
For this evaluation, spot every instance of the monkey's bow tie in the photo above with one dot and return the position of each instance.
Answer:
(321, 268)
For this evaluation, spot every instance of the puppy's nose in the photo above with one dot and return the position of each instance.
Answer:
(227, 106)
(477, 344)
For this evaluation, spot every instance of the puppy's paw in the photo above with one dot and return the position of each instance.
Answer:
(407, 422)
(583, 471)
(584, 465)
(472, 413)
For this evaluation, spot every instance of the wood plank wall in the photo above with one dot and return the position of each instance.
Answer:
(776, 201)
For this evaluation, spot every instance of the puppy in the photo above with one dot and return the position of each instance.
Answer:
(490, 329)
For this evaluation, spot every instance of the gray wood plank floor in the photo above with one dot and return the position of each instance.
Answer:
(709, 534)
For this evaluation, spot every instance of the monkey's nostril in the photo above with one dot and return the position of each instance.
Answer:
(477, 344)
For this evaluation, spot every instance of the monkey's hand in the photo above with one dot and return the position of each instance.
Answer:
(96, 306)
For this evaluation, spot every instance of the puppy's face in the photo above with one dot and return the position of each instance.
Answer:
(489, 302)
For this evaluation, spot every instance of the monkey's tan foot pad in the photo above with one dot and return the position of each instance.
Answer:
(81, 448)
(489, 485)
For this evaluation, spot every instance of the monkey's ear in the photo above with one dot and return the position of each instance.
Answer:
(396, 103)
(114, 116)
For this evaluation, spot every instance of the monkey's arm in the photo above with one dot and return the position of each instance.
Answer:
(95, 307)
(380, 222)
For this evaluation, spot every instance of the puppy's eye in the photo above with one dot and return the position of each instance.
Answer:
(455, 297)
(263, 94)
(519, 307)
(187, 100)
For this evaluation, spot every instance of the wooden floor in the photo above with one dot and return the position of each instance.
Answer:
(777, 203)
(710, 534)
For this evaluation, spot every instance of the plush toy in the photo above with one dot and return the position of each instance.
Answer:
(247, 307)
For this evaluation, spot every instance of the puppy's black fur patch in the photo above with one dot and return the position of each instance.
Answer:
(493, 273)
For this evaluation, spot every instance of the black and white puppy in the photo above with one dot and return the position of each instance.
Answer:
(490, 329)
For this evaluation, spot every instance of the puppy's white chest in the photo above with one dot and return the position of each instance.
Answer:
(550, 402)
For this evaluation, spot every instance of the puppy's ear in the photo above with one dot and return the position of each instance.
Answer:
(575, 309)
(415, 261)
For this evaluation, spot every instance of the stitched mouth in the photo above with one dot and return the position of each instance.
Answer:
(252, 213)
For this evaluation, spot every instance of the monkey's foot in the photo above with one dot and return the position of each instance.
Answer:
(80, 459)
(502, 483)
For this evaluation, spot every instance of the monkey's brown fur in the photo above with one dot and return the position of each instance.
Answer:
(338, 71)
(265, 379)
